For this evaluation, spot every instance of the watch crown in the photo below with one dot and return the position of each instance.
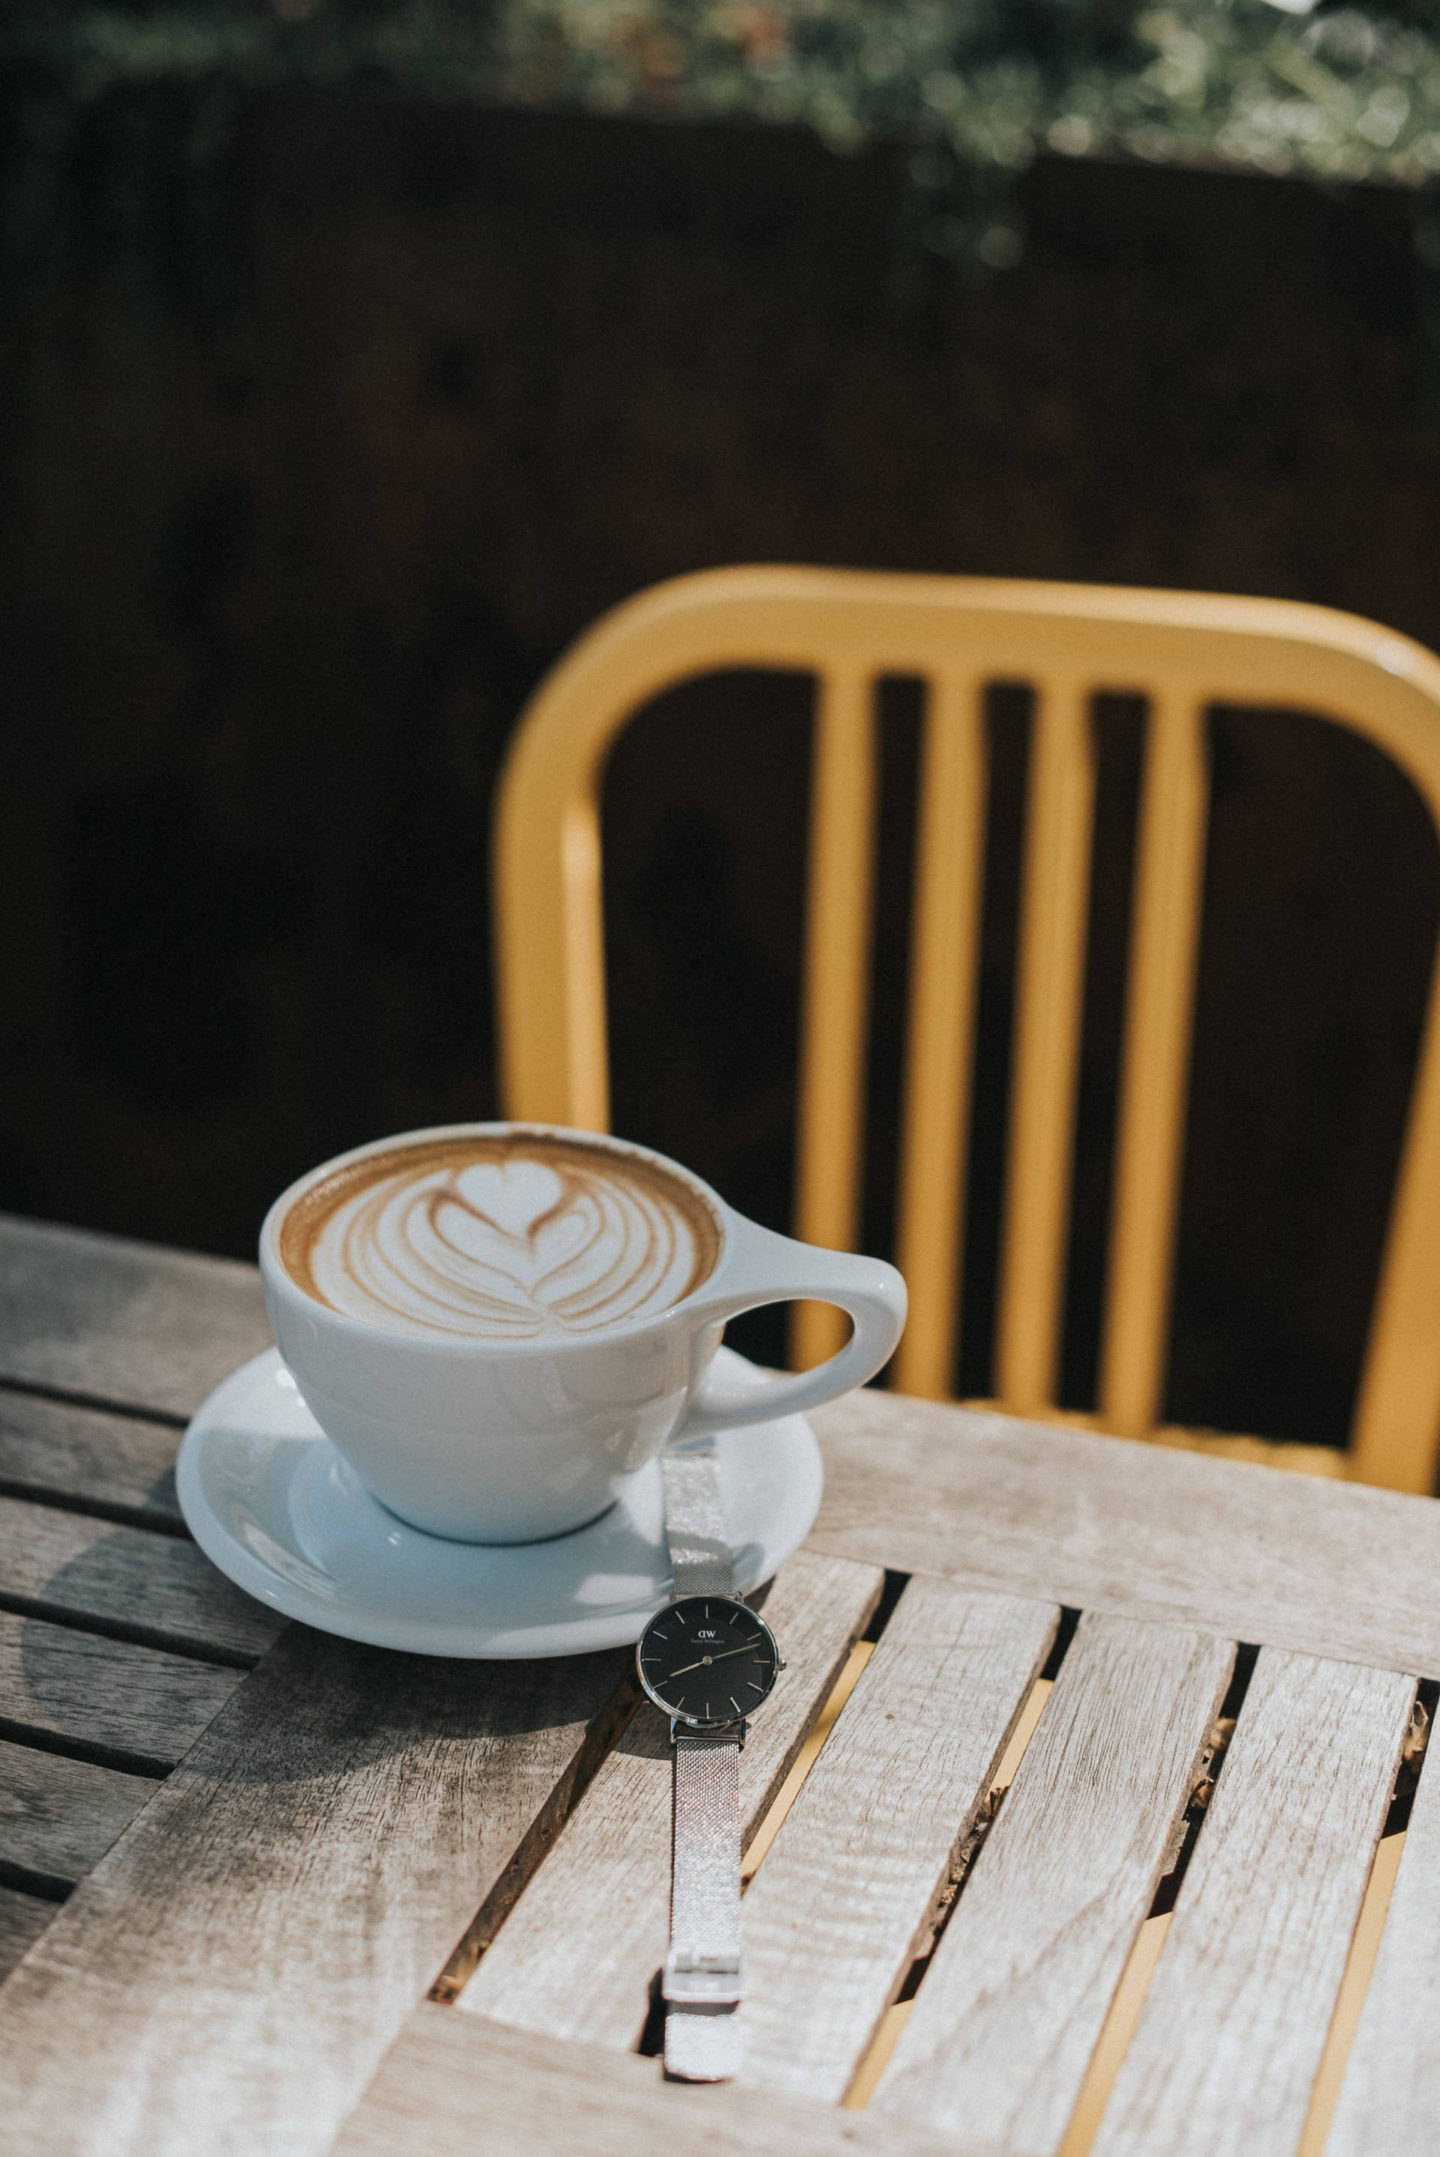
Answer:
(781, 1665)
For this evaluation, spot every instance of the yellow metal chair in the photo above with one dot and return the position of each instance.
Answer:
(1183, 653)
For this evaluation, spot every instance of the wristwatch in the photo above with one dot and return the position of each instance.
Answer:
(707, 1661)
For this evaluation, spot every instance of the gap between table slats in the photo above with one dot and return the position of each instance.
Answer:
(108, 1700)
(848, 1894)
(118, 1644)
(116, 1466)
(1390, 2095)
(816, 1737)
(1359, 1967)
(877, 2057)
(59, 1816)
(130, 1582)
(1004, 2026)
(1229, 2041)
(1130, 1999)
(576, 1957)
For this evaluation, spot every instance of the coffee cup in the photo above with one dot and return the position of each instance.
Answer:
(499, 1324)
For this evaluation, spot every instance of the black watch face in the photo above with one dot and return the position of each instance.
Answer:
(707, 1660)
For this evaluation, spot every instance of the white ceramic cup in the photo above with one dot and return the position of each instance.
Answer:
(503, 1441)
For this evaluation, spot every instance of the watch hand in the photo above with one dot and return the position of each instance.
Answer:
(746, 1650)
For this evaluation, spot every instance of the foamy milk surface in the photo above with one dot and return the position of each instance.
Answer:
(516, 1244)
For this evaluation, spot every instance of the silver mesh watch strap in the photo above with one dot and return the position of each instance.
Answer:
(695, 1523)
(704, 1970)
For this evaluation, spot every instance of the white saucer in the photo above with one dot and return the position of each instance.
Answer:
(271, 1502)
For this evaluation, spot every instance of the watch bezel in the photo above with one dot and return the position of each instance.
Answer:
(676, 1715)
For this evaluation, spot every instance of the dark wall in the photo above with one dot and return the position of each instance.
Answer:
(301, 500)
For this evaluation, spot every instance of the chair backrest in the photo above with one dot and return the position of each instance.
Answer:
(1182, 653)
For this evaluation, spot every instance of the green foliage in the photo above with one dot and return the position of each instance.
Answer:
(1337, 94)
(976, 87)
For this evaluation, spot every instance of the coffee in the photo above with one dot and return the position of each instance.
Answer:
(505, 1237)
(498, 1326)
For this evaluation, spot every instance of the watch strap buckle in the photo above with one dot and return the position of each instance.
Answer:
(692, 1980)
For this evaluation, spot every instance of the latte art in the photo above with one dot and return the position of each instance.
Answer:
(507, 1239)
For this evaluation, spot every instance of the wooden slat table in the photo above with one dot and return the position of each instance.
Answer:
(267, 1891)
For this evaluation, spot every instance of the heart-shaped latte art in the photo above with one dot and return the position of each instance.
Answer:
(514, 1196)
(561, 1241)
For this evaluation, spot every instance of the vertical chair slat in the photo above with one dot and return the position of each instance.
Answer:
(1049, 1009)
(835, 1011)
(944, 969)
(1164, 946)
(1395, 1439)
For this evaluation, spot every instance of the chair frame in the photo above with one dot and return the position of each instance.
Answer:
(1183, 652)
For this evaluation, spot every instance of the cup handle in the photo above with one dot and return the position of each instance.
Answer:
(762, 1267)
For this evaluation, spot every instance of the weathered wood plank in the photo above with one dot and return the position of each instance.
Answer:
(1004, 2025)
(847, 1896)
(157, 1587)
(22, 1920)
(1104, 1524)
(60, 1816)
(106, 1694)
(52, 1448)
(600, 1905)
(234, 1969)
(1334, 1570)
(454, 2085)
(1390, 2096)
(118, 1321)
(1229, 2041)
